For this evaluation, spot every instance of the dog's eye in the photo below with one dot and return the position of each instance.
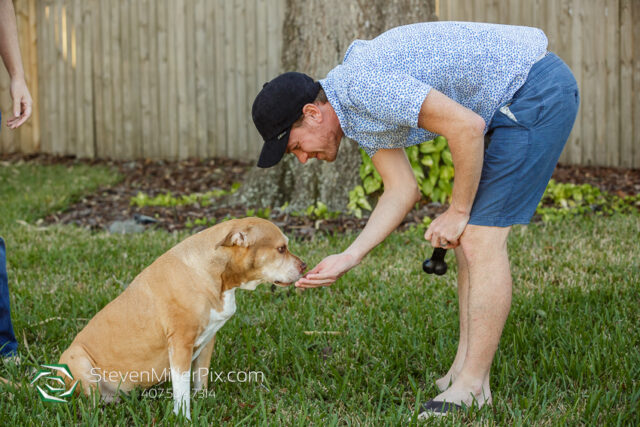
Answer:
(282, 249)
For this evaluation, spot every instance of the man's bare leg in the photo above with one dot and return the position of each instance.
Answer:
(489, 301)
(463, 309)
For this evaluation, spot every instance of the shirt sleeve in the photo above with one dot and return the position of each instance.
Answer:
(388, 96)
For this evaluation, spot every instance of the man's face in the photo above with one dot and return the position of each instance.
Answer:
(318, 137)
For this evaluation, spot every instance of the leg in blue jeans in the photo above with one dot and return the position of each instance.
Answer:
(8, 343)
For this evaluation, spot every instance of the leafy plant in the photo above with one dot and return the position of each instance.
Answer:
(435, 159)
(317, 211)
(358, 201)
(200, 222)
(321, 211)
(432, 166)
(563, 200)
(260, 212)
(169, 200)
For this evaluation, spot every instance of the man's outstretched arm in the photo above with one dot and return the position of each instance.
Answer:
(400, 194)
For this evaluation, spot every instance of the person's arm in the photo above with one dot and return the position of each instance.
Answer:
(398, 198)
(10, 53)
(464, 130)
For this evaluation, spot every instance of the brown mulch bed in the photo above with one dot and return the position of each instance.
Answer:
(153, 177)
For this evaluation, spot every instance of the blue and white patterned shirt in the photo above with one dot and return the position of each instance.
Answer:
(378, 90)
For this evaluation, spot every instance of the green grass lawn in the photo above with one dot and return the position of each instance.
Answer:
(569, 355)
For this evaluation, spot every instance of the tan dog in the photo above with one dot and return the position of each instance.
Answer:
(166, 320)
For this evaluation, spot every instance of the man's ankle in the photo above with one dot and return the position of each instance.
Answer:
(473, 384)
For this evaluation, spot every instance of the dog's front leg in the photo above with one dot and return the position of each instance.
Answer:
(180, 362)
(201, 366)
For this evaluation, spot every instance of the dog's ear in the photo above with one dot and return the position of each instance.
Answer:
(236, 238)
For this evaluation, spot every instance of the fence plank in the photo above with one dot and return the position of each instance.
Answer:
(88, 103)
(625, 121)
(493, 11)
(212, 136)
(229, 73)
(130, 74)
(188, 78)
(180, 69)
(164, 91)
(34, 84)
(589, 83)
(119, 88)
(242, 33)
(97, 82)
(199, 88)
(69, 144)
(44, 53)
(611, 138)
(174, 111)
(250, 79)
(221, 97)
(53, 82)
(563, 46)
(573, 151)
(144, 76)
(262, 40)
(74, 76)
(635, 18)
(108, 145)
(61, 122)
(600, 46)
(154, 150)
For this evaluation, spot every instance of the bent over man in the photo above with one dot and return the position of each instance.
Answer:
(464, 81)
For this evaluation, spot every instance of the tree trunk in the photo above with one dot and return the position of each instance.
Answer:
(316, 35)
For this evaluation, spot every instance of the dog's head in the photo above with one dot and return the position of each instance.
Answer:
(258, 253)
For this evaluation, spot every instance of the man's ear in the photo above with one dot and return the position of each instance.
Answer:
(312, 112)
(236, 238)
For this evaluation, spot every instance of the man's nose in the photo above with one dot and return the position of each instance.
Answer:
(302, 157)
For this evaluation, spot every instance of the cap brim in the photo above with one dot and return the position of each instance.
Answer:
(273, 150)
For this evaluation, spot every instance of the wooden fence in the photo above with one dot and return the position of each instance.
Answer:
(176, 78)
(146, 78)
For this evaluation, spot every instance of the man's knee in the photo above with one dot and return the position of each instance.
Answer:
(480, 242)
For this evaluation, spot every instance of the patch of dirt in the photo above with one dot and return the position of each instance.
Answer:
(154, 177)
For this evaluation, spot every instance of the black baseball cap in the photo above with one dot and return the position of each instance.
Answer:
(277, 107)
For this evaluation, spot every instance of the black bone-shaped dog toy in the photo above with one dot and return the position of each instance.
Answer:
(436, 263)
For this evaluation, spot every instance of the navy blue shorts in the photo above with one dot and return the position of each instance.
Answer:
(525, 138)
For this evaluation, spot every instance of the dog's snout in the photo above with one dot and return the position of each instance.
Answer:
(302, 266)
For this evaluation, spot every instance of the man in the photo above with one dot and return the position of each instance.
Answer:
(10, 53)
(464, 81)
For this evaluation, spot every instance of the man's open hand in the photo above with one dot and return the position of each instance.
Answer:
(328, 271)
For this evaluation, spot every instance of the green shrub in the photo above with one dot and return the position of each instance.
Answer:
(564, 200)
(264, 213)
(433, 168)
(169, 200)
(431, 164)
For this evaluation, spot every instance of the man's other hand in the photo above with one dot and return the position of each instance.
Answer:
(22, 103)
(445, 230)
